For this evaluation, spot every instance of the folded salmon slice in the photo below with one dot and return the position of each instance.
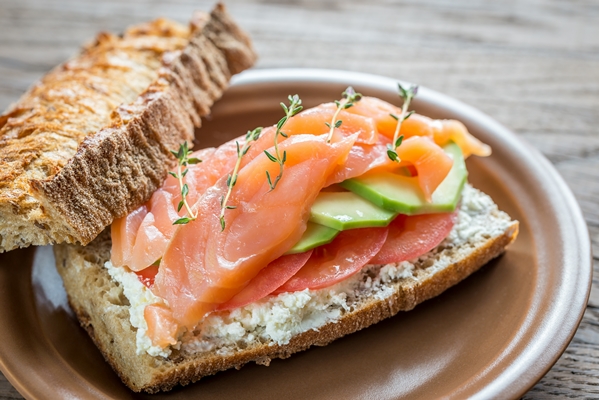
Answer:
(204, 266)
(154, 232)
(314, 121)
(452, 130)
(430, 162)
(380, 111)
(138, 243)
(123, 233)
(441, 131)
(367, 118)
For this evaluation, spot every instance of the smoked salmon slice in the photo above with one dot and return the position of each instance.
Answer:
(452, 130)
(139, 241)
(419, 154)
(162, 327)
(154, 232)
(441, 131)
(363, 158)
(431, 163)
(313, 120)
(204, 266)
(380, 111)
(123, 233)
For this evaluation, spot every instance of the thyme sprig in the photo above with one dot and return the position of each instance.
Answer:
(183, 160)
(295, 106)
(250, 136)
(406, 95)
(348, 98)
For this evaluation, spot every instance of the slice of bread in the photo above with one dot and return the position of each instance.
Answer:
(277, 326)
(91, 140)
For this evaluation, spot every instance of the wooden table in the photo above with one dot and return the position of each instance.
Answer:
(532, 65)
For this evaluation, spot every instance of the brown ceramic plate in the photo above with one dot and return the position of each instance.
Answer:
(493, 335)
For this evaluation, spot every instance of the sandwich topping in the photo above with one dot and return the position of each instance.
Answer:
(277, 318)
(339, 199)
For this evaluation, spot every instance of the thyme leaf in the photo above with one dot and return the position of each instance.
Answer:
(348, 98)
(183, 221)
(183, 160)
(250, 137)
(295, 106)
(406, 95)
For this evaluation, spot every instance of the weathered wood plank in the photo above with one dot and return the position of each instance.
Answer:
(531, 64)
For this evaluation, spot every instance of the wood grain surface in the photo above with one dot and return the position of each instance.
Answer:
(533, 65)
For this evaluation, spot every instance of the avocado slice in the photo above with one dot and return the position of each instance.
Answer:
(347, 210)
(314, 236)
(402, 194)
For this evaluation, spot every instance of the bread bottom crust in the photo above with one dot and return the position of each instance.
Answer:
(102, 310)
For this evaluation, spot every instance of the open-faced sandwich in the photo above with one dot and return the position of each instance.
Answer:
(290, 236)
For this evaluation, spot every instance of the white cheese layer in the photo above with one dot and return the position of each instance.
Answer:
(276, 319)
(139, 297)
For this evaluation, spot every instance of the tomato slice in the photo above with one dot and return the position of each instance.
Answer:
(147, 275)
(268, 279)
(340, 259)
(411, 237)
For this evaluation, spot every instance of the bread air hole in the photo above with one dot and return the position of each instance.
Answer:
(91, 258)
(427, 263)
(115, 296)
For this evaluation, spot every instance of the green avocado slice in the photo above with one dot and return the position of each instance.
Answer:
(347, 210)
(401, 194)
(314, 236)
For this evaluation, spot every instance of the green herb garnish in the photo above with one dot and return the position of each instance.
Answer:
(348, 98)
(250, 136)
(183, 160)
(406, 95)
(295, 106)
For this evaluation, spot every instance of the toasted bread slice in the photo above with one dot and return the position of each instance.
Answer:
(91, 141)
(108, 309)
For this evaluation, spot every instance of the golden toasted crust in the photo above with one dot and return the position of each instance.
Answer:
(102, 309)
(91, 141)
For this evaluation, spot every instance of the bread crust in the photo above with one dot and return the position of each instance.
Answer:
(91, 141)
(91, 293)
